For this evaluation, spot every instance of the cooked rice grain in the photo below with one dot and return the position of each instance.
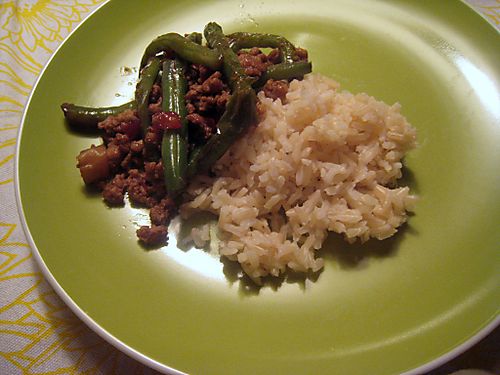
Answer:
(327, 160)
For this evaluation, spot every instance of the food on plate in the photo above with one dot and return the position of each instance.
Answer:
(191, 103)
(281, 155)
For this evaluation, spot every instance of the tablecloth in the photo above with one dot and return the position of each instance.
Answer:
(38, 333)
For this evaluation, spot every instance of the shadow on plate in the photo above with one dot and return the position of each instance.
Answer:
(355, 256)
(90, 191)
(248, 287)
(409, 179)
(82, 132)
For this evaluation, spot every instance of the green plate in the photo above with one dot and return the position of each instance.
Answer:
(382, 308)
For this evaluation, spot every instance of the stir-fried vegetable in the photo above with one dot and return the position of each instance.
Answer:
(87, 118)
(208, 101)
(285, 71)
(184, 48)
(143, 90)
(167, 57)
(174, 145)
(240, 111)
(195, 37)
(248, 40)
(288, 69)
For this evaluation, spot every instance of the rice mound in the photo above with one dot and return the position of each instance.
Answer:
(326, 160)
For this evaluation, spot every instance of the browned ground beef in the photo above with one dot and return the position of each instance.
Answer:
(276, 89)
(254, 61)
(161, 213)
(301, 54)
(154, 235)
(113, 192)
(144, 190)
(205, 102)
(114, 124)
(202, 127)
(155, 99)
(134, 161)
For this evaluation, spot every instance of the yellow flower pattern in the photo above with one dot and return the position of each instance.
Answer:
(490, 9)
(38, 333)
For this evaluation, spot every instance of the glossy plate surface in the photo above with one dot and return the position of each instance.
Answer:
(380, 308)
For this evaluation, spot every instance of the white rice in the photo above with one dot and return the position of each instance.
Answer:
(327, 160)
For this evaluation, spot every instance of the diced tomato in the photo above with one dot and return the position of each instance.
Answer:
(166, 121)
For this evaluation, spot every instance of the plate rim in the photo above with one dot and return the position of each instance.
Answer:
(117, 343)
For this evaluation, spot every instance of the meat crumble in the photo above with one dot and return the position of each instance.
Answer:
(130, 163)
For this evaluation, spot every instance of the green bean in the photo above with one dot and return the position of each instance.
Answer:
(193, 154)
(195, 37)
(146, 81)
(183, 48)
(87, 118)
(240, 112)
(174, 142)
(285, 71)
(233, 70)
(248, 40)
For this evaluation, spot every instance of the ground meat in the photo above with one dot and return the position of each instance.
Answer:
(152, 138)
(213, 84)
(132, 161)
(137, 188)
(300, 54)
(152, 142)
(221, 101)
(202, 127)
(193, 96)
(276, 89)
(162, 212)
(134, 158)
(113, 192)
(208, 97)
(153, 236)
(113, 124)
(122, 141)
(205, 102)
(153, 171)
(157, 191)
(155, 99)
(137, 146)
(155, 108)
(197, 73)
(146, 188)
(254, 61)
(190, 108)
(117, 150)
(274, 56)
(155, 95)
(114, 155)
